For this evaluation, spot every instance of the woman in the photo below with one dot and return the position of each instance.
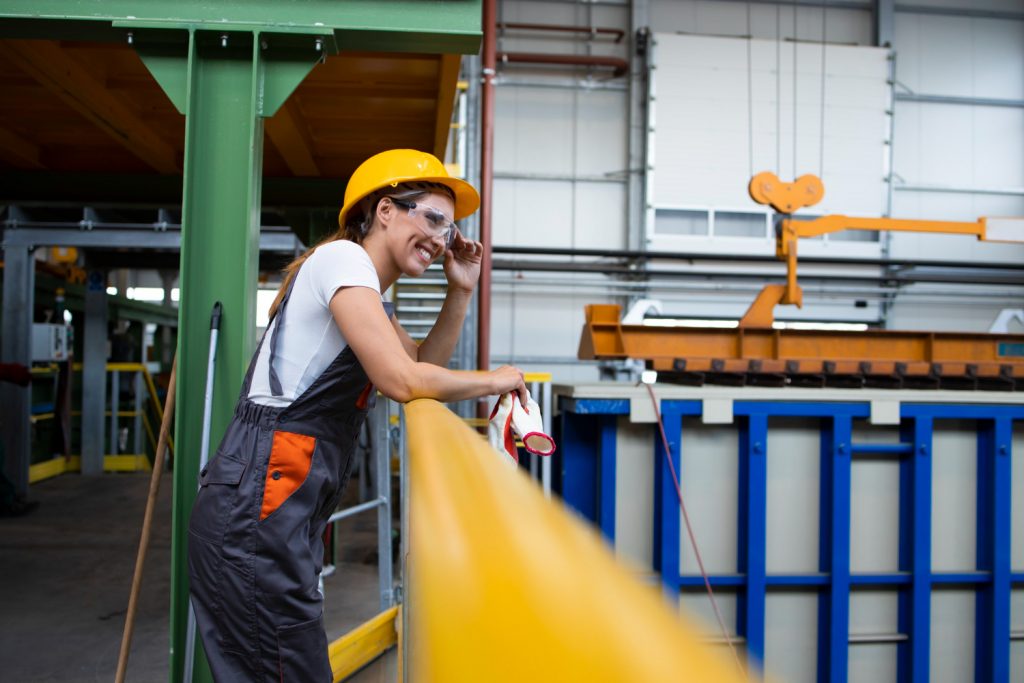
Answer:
(255, 548)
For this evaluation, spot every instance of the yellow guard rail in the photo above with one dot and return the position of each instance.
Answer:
(508, 586)
(135, 462)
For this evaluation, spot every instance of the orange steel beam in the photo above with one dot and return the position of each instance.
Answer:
(766, 350)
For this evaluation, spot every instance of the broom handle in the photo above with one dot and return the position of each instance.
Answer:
(147, 524)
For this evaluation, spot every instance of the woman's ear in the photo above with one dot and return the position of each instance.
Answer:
(385, 210)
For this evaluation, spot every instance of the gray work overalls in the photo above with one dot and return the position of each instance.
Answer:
(255, 547)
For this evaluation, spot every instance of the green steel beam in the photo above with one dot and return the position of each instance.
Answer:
(224, 101)
(433, 26)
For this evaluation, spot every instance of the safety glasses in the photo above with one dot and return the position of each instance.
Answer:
(436, 223)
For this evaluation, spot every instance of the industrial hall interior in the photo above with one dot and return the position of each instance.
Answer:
(442, 341)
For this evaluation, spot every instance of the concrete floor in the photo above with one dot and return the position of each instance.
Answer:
(66, 571)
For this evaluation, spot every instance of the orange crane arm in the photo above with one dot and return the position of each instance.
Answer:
(760, 313)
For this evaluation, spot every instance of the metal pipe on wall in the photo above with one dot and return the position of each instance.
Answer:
(1008, 278)
(617, 32)
(747, 258)
(619, 66)
(483, 348)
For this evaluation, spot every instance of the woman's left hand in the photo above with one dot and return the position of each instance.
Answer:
(462, 263)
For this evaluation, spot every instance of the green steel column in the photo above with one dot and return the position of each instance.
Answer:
(225, 85)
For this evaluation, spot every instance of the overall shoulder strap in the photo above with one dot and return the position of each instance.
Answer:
(278, 323)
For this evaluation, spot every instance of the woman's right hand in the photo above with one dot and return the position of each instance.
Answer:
(509, 378)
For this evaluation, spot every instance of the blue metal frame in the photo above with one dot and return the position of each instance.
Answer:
(588, 485)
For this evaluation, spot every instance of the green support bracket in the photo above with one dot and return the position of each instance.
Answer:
(224, 84)
(285, 58)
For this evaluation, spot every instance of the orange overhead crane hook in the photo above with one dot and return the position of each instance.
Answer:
(766, 188)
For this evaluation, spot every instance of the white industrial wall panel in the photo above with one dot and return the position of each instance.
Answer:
(958, 146)
(709, 475)
(715, 126)
(955, 315)
(546, 213)
(556, 324)
(952, 625)
(696, 606)
(954, 496)
(599, 218)
(791, 525)
(530, 322)
(791, 636)
(532, 213)
(703, 122)
(713, 17)
(544, 138)
(568, 134)
(874, 509)
(534, 130)
(970, 57)
(873, 612)
(634, 481)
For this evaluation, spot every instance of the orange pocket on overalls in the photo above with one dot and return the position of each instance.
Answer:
(291, 456)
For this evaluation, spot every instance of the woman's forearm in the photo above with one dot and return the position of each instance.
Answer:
(441, 384)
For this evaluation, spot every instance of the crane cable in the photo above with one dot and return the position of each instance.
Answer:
(750, 98)
(796, 46)
(821, 139)
(778, 91)
(689, 531)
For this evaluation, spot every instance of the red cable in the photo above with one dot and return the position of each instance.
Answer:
(689, 531)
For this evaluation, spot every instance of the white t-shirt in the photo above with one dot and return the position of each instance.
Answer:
(310, 339)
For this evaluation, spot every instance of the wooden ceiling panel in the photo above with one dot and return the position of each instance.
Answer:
(371, 108)
(351, 67)
(76, 134)
(343, 141)
(344, 91)
(351, 106)
(82, 159)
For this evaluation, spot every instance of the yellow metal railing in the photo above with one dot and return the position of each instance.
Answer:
(508, 586)
(111, 463)
(363, 644)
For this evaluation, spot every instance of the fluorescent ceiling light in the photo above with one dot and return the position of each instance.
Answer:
(778, 324)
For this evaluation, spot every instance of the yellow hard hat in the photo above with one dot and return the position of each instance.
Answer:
(404, 166)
